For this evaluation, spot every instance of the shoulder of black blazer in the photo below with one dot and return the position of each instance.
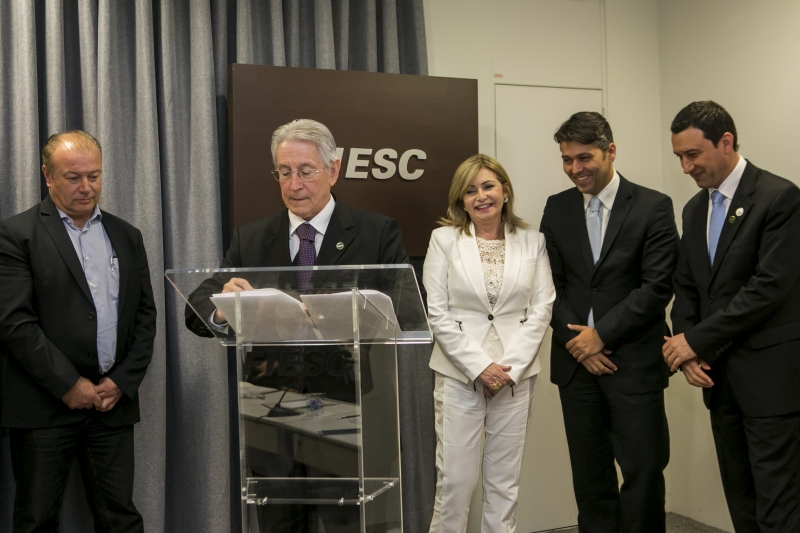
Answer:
(570, 201)
(265, 243)
(345, 225)
(626, 186)
(40, 224)
(753, 179)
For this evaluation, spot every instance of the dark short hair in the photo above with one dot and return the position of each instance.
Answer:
(82, 141)
(586, 127)
(708, 117)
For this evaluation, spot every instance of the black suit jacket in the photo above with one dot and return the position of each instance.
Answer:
(742, 315)
(367, 238)
(48, 331)
(628, 288)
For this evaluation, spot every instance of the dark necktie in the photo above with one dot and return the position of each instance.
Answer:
(307, 254)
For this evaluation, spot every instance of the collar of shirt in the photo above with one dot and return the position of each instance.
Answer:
(96, 215)
(320, 222)
(606, 196)
(731, 183)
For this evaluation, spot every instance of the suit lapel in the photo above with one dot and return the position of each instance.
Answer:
(276, 242)
(511, 268)
(55, 227)
(618, 212)
(124, 258)
(695, 236)
(577, 218)
(471, 263)
(341, 229)
(741, 200)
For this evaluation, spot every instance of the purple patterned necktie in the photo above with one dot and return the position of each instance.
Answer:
(307, 253)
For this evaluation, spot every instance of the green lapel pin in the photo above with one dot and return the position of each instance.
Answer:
(340, 245)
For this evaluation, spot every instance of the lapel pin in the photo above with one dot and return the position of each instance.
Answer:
(739, 212)
(732, 219)
(340, 245)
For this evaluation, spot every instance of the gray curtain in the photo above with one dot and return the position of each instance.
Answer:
(148, 78)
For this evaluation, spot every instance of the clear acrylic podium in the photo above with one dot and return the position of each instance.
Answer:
(316, 351)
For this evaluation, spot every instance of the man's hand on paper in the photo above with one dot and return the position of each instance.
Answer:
(233, 285)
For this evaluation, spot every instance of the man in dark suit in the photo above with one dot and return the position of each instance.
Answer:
(306, 167)
(613, 247)
(77, 325)
(736, 317)
(314, 229)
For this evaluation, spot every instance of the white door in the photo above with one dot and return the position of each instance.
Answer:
(525, 120)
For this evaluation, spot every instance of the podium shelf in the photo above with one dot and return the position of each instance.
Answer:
(318, 491)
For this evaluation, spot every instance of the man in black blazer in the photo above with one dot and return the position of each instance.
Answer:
(736, 317)
(306, 167)
(613, 246)
(77, 325)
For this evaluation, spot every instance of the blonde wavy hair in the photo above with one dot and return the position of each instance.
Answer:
(462, 180)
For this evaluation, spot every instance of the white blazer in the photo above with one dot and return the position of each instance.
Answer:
(458, 307)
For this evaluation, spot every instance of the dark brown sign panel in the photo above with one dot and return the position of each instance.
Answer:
(401, 137)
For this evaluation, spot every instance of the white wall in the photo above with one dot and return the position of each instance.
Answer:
(634, 90)
(610, 45)
(461, 40)
(658, 56)
(743, 55)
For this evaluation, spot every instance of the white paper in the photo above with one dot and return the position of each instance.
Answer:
(332, 314)
(268, 315)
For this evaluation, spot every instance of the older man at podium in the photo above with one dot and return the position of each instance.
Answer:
(315, 228)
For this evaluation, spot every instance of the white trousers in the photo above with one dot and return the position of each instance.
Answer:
(462, 415)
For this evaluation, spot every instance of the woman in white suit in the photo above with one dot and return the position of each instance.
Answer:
(490, 296)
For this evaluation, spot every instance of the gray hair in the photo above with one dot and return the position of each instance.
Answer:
(305, 129)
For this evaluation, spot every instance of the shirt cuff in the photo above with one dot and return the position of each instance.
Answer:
(221, 328)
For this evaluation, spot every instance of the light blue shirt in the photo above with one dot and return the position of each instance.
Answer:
(101, 268)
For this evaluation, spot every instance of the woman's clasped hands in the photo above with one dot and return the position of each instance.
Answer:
(493, 378)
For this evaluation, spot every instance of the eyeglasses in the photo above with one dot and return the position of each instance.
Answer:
(305, 174)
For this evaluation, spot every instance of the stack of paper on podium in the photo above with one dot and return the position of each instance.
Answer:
(266, 315)
(271, 315)
(329, 313)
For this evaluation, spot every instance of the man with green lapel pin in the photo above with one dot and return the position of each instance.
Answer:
(736, 317)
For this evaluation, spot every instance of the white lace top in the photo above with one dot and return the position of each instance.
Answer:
(493, 260)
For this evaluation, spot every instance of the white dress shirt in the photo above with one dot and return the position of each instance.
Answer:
(606, 197)
(727, 188)
(320, 223)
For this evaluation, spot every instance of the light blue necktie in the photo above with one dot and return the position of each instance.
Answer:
(715, 224)
(595, 227)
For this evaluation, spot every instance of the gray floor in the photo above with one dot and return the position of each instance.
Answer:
(675, 524)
